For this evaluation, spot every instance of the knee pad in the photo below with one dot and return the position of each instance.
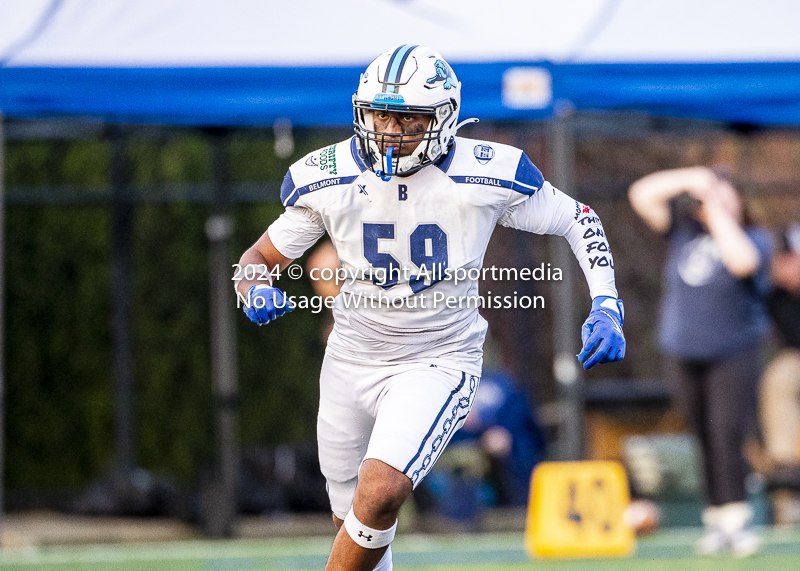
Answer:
(341, 496)
(366, 536)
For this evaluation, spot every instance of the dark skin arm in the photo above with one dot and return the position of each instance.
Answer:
(262, 252)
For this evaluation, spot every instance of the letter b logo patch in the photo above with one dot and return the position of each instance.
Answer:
(402, 192)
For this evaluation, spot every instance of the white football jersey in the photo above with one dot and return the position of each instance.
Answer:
(412, 246)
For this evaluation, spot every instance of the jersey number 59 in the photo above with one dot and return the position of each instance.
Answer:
(428, 247)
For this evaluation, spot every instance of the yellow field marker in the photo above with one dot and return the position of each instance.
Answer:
(575, 510)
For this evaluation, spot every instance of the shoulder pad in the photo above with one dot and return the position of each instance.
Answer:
(331, 166)
(493, 164)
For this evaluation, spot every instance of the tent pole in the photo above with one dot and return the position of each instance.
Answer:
(2, 333)
(566, 326)
(220, 505)
(121, 231)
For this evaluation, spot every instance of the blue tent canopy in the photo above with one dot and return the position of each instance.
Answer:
(248, 96)
(765, 93)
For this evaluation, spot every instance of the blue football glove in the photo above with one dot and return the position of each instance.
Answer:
(266, 304)
(602, 332)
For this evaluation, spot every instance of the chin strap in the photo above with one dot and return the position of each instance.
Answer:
(386, 177)
(465, 122)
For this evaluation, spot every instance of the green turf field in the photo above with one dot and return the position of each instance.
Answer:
(666, 551)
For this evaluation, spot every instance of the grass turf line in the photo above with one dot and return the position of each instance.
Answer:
(669, 550)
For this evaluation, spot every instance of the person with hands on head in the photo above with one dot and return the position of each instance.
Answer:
(408, 206)
(712, 320)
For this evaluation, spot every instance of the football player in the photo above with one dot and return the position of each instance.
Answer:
(410, 208)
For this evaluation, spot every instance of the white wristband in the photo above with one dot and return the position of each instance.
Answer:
(366, 536)
(262, 276)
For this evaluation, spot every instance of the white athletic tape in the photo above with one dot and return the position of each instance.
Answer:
(262, 275)
(366, 536)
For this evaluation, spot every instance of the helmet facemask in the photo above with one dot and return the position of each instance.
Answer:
(430, 144)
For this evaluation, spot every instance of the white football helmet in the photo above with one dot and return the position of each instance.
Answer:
(412, 79)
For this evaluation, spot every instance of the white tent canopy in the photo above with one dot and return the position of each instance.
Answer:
(210, 62)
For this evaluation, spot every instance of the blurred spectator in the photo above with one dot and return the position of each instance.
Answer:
(324, 257)
(780, 389)
(503, 425)
(490, 459)
(713, 318)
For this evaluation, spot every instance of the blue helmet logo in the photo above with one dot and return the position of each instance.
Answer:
(483, 153)
(395, 98)
(443, 73)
